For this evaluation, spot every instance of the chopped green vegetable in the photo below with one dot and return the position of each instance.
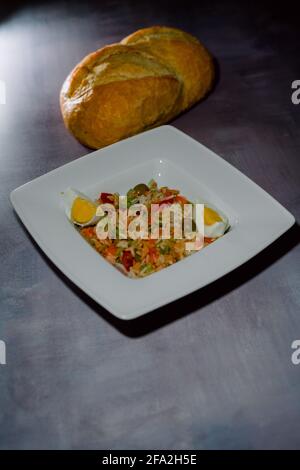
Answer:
(146, 268)
(164, 249)
(152, 184)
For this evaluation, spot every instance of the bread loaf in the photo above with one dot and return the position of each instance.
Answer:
(188, 58)
(123, 89)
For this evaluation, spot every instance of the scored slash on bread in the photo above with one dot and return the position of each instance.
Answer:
(188, 58)
(122, 89)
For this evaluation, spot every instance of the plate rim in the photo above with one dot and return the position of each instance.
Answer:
(152, 306)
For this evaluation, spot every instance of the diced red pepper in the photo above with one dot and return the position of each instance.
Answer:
(127, 259)
(168, 192)
(168, 200)
(172, 199)
(106, 198)
(153, 254)
(111, 250)
(182, 199)
(88, 232)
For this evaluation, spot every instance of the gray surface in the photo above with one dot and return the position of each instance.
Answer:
(212, 370)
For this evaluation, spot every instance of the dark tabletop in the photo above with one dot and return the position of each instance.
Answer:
(212, 370)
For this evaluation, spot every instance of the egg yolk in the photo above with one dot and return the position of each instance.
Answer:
(211, 216)
(82, 210)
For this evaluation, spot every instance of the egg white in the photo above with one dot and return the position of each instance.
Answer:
(217, 229)
(68, 197)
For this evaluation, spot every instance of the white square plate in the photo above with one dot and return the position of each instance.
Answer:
(175, 160)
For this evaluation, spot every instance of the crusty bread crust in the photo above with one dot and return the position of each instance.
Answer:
(143, 82)
(181, 51)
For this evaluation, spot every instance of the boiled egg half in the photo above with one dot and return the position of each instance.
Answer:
(215, 223)
(79, 208)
